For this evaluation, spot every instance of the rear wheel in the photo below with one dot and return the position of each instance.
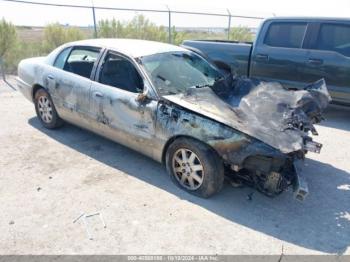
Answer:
(195, 167)
(46, 110)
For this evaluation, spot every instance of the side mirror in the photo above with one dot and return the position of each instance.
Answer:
(144, 94)
(142, 97)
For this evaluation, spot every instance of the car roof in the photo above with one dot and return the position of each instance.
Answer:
(132, 47)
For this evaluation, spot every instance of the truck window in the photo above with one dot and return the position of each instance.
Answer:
(285, 34)
(334, 37)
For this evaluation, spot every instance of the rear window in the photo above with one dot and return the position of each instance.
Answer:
(83, 55)
(285, 34)
(334, 37)
(61, 58)
(81, 61)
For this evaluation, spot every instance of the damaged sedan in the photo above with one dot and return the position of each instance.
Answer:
(177, 107)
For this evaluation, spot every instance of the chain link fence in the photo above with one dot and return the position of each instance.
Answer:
(98, 11)
(42, 26)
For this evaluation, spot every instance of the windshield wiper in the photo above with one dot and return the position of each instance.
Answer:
(161, 78)
(217, 79)
(204, 85)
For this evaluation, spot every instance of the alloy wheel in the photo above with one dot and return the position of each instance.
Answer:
(45, 109)
(188, 169)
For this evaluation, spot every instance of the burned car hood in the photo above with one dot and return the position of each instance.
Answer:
(266, 111)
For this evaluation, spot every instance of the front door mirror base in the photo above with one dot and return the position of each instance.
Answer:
(142, 97)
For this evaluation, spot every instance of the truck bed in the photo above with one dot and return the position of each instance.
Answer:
(235, 54)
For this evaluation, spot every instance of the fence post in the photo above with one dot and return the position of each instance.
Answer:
(169, 25)
(229, 25)
(2, 68)
(94, 19)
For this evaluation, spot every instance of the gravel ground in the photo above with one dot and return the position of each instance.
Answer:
(48, 178)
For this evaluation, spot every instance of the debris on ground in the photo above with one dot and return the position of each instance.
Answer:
(84, 216)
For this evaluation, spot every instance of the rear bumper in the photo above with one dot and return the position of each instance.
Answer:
(300, 186)
(24, 88)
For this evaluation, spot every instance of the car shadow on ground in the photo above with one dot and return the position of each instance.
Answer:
(319, 223)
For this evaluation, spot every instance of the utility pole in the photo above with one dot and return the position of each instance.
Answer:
(169, 25)
(229, 24)
(94, 18)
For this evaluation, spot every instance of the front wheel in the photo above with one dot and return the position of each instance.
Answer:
(45, 110)
(195, 167)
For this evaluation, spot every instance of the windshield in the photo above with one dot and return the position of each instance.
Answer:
(175, 72)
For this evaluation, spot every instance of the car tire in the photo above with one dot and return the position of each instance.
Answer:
(45, 110)
(195, 167)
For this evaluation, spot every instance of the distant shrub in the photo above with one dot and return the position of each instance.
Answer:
(241, 33)
(13, 48)
(139, 27)
(22, 50)
(8, 42)
(56, 35)
(8, 37)
(110, 29)
(74, 34)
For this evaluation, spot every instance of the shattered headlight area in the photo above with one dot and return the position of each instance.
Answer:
(261, 129)
(283, 119)
(271, 111)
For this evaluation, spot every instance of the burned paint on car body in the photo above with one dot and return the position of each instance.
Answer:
(263, 126)
(258, 129)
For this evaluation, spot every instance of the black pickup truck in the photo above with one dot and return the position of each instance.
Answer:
(293, 51)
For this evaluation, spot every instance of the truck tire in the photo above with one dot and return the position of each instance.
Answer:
(45, 110)
(195, 167)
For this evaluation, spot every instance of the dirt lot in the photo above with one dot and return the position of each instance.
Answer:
(48, 178)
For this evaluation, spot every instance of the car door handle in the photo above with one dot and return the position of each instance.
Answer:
(262, 57)
(98, 94)
(315, 61)
(50, 77)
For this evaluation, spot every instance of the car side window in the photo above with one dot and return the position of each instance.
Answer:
(81, 61)
(285, 34)
(334, 37)
(62, 58)
(119, 72)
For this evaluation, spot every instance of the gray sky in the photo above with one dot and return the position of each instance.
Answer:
(21, 14)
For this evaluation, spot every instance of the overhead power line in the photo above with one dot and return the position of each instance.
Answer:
(130, 9)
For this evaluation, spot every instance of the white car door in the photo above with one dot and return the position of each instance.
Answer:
(69, 82)
(118, 112)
